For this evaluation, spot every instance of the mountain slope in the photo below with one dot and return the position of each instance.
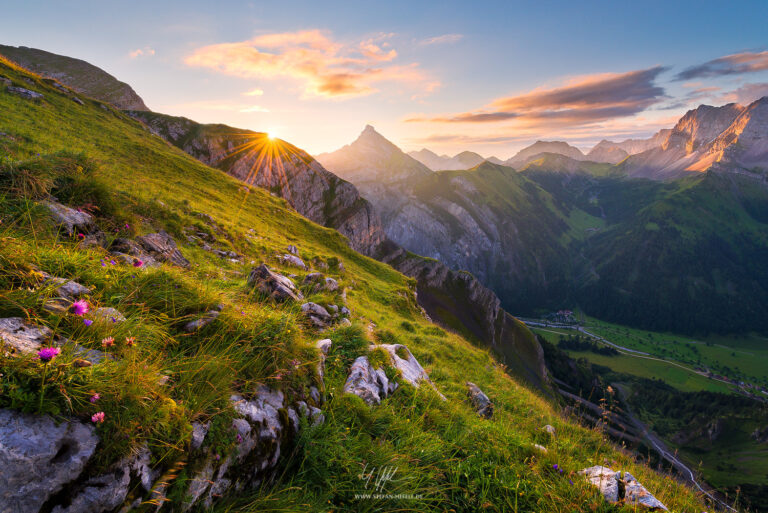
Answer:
(523, 156)
(81, 76)
(158, 391)
(473, 310)
(463, 160)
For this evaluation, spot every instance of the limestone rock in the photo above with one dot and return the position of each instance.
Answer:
(318, 315)
(69, 220)
(128, 251)
(274, 285)
(293, 260)
(345, 311)
(38, 458)
(550, 430)
(370, 384)
(199, 431)
(331, 285)
(636, 494)
(482, 404)
(324, 346)
(202, 321)
(293, 250)
(24, 93)
(106, 314)
(540, 448)
(21, 337)
(410, 369)
(345, 323)
(605, 479)
(66, 288)
(106, 492)
(162, 246)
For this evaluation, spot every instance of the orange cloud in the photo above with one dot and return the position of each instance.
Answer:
(587, 99)
(734, 64)
(324, 67)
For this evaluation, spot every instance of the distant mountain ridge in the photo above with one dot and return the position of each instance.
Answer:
(83, 77)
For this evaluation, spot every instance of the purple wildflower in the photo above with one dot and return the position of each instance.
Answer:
(47, 354)
(112, 262)
(94, 398)
(98, 418)
(555, 466)
(80, 307)
(87, 322)
(138, 263)
(570, 481)
(80, 236)
(103, 264)
(127, 226)
(239, 438)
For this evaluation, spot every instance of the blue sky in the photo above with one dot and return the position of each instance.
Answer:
(485, 76)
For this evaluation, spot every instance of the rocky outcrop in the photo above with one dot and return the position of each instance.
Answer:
(369, 384)
(626, 490)
(27, 94)
(81, 76)
(409, 369)
(203, 320)
(278, 287)
(39, 458)
(317, 315)
(20, 337)
(289, 259)
(480, 402)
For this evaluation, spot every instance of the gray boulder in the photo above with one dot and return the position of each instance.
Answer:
(127, 251)
(162, 247)
(331, 285)
(293, 250)
(24, 93)
(20, 337)
(345, 311)
(38, 458)
(550, 430)
(480, 402)
(65, 288)
(370, 384)
(106, 492)
(106, 314)
(69, 220)
(635, 494)
(293, 260)
(318, 315)
(324, 346)
(274, 285)
(605, 479)
(410, 369)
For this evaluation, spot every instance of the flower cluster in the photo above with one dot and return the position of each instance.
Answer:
(47, 354)
(79, 307)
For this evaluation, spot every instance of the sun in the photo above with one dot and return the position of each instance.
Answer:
(271, 135)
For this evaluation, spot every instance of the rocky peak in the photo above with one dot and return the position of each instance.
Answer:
(700, 126)
(559, 147)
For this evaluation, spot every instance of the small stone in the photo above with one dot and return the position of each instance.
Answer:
(107, 314)
(331, 285)
(345, 311)
(293, 250)
(318, 315)
(345, 323)
(482, 404)
(68, 219)
(292, 260)
(199, 431)
(636, 494)
(370, 384)
(549, 429)
(202, 321)
(540, 448)
(162, 246)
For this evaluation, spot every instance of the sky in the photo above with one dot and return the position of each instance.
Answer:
(490, 77)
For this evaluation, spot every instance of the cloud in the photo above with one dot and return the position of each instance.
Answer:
(734, 64)
(141, 52)
(254, 92)
(440, 40)
(745, 94)
(323, 66)
(586, 99)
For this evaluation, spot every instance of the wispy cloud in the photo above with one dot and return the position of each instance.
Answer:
(580, 100)
(141, 52)
(734, 64)
(441, 40)
(745, 94)
(254, 92)
(323, 66)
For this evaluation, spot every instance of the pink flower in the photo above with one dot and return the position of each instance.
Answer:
(98, 418)
(138, 263)
(94, 398)
(47, 354)
(108, 342)
(79, 307)
(130, 341)
(80, 236)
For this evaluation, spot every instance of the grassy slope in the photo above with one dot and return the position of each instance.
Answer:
(441, 449)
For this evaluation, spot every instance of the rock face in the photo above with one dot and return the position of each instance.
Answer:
(627, 490)
(314, 192)
(480, 402)
(370, 384)
(77, 74)
(24, 93)
(274, 285)
(38, 458)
